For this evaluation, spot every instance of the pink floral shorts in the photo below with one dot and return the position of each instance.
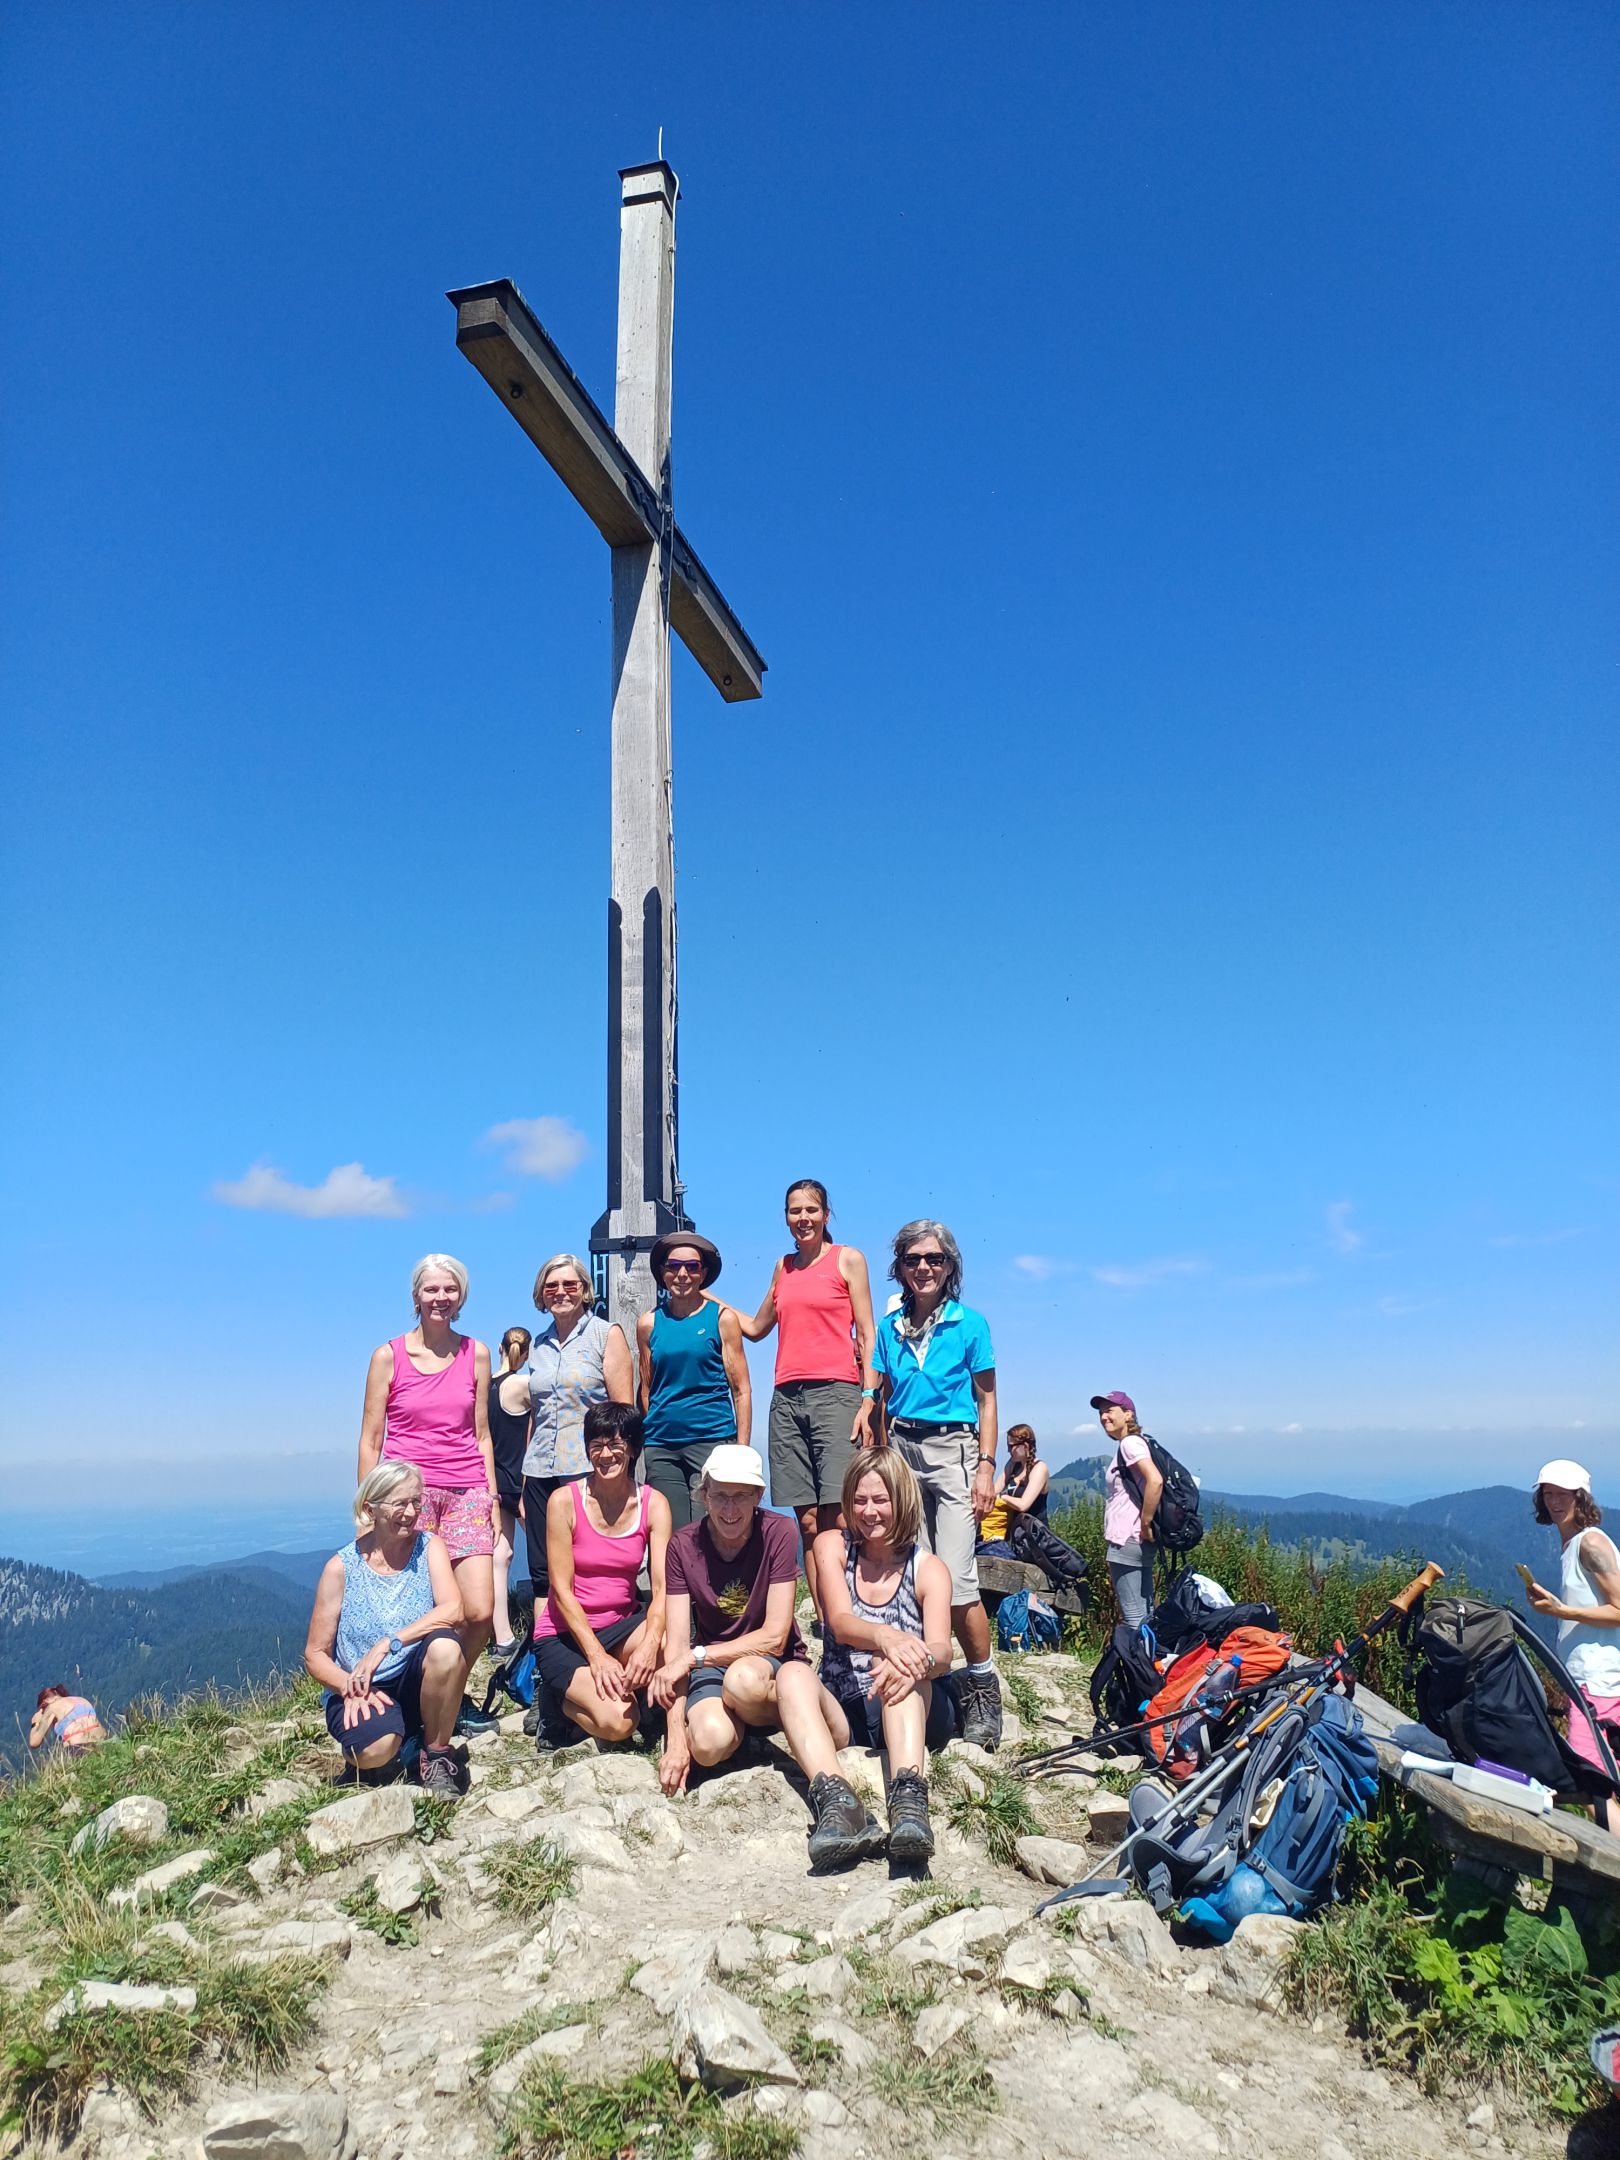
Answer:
(460, 1515)
(1580, 1733)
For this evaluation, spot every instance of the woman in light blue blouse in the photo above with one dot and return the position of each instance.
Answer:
(576, 1358)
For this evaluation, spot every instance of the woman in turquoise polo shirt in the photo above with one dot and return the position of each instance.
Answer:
(694, 1374)
(936, 1375)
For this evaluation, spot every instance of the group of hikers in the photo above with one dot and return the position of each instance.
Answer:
(666, 1592)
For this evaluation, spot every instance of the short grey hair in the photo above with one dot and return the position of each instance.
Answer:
(564, 1260)
(427, 1265)
(913, 1233)
(379, 1482)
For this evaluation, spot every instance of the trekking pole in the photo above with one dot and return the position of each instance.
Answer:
(1226, 1760)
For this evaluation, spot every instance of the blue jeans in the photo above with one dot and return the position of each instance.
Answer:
(1130, 1570)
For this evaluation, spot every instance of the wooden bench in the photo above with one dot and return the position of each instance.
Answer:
(1000, 1578)
(1496, 1843)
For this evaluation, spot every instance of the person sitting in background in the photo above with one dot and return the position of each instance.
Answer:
(597, 1644)
(509, 1420)
(384, 1637)
(71, 1718)
(734, 1660)
(1132, 1487)
(1588, 1613)
(886, 1609)
(1016, 1527)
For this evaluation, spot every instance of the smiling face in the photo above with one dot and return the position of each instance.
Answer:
(923, 1267)
(806, 1217)
(1116, 1423)
(683, 1270)
(1559, 1502)
(732, 1509)
(562, 1293)
(438, 1297)
(396, 1517)
(871, 1510)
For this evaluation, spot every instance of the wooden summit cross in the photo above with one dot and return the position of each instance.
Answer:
(620, 475)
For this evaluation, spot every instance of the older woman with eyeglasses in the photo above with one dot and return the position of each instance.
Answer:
(936, 1375)
(576, 1358)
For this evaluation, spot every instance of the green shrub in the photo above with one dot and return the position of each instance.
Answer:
(649, 2112)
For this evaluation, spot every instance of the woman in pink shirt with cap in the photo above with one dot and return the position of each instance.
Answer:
(1132, 1490)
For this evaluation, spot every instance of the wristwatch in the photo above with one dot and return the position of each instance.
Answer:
(697, 1655)
(395, 1646)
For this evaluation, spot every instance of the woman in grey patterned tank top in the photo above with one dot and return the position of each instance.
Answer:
(886, 1607)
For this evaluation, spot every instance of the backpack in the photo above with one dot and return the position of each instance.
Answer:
(1273, 1844)
(1200, 1683)
(513, 1676)
(1123, 1684)
(1187, 1615)
(1177, 1524)
(1038, 1546)
(1026, 1622)
(1477, 1689)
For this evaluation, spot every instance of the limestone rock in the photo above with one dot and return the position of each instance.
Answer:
(777, 1947)
(1160, 2117)
(1248, 1969)
(88, 1997)
(137, 1819)
(621, 1775)
(279, 1793)
(825, 2109)
(720, 2039)
(279, 2126)
(176, 1932)
(1130, 1928)
(1052, 1860)
(364, 1818)
(156, 1880)
(682, 1963)
(653, 1824)
(264, 1869)
(215, 1898)
(824, 1979)
(961, 1941)
(866, 1914)
(1108, 1816)
(589, 1845)
(310, 1938)
(514, 1803)
(1025, 1963)
(511, 1724)
(736, 1949)
(401, 1883)
(938, 2026)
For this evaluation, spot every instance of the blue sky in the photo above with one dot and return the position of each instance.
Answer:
(1166, 456)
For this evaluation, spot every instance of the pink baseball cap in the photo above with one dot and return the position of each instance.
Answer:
(1119, 1400)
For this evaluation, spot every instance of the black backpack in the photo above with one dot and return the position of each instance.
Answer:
(1177, 1524)
(1124, 1683)
(1477, 1689)
(1183, 1617)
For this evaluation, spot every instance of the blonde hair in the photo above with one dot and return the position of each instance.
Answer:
(890, 1467)
(568, 1260)
(426, 1266)
(379, 1481)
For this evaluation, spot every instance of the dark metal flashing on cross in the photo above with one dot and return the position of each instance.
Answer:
(620, 476)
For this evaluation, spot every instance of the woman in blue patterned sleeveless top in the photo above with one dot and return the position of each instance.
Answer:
(383, 1640)
(886, 1609)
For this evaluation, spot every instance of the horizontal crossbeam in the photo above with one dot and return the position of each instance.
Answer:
(521, 364)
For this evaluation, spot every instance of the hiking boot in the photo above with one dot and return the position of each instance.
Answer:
(437, 1771)
(911, 1836)
(471, 1719)
(843, 1831)
(978, 1697)
(531, 1718)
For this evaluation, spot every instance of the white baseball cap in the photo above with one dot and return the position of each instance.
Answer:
(730, 1464)
(1566, 1475)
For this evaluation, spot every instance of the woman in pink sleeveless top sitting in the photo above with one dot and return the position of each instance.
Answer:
(597, 1645)
(820, 1301)
(427, 1403)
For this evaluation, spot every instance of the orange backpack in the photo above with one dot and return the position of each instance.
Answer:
(1259, 1654)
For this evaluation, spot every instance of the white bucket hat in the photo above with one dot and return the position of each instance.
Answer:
(730, 1464)
(1566, 1475)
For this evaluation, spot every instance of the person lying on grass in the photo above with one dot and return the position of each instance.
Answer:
(383, 1637)
(886, 1606)
(598, 1646)
(734, 1660)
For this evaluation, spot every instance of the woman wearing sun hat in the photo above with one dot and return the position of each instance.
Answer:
(1588, 1613)
(1132, 1487)
(694, 1374)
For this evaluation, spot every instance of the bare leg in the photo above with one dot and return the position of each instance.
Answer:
(798, 1703)
(713, 1733)
(380, 1752)
(604, 1717)
(475, 1579)
(750, 1693)
(904, 1725)
(502, 1600)
(971, 1626)
(444, 1675)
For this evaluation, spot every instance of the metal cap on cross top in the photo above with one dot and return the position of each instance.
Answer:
(620, 476)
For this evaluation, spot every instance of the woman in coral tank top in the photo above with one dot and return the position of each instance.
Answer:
(820, 1303)
(427, 1403)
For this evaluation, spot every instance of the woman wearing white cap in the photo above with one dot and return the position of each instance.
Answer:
(734, 1659)
(1588, 1613)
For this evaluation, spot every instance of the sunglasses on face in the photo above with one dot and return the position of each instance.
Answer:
(924, 1259)
(683, 1267)
(562, 1289)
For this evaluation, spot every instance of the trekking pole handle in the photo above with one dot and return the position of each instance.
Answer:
(1404, 1600)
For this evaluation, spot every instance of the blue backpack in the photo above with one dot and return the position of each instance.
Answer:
(1218, 1873)
(1026, 1622)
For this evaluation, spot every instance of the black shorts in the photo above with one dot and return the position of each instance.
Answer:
(560, 1657)
(403, 1717)
(864, 1715)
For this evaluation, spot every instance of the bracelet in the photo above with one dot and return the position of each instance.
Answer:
(990, 1459)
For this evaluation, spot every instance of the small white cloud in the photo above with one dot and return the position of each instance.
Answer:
(347, 1191)
(1147, 1272)
(1339, 1233)
(543, 1147)
(1035, 1265)
(1237, 1428)
(1577, 1424)
(1293, 1428)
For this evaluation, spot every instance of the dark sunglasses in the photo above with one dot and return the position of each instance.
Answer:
(683, 1267)
(923, 1259)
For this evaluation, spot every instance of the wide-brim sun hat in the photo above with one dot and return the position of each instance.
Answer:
(1566, 1475)
(707, 1251)
(733, 1464)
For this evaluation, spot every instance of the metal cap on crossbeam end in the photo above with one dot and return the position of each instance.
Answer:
(650, 183)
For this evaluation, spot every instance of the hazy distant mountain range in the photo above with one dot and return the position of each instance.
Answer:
(167, 1630)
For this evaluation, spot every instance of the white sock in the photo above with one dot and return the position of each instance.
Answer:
(976, 1670)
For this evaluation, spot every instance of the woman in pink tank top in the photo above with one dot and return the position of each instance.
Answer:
(596, 1643)
(820, 1302)
(427, 1398)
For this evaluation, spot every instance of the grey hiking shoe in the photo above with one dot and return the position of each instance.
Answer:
(843, 1831)
(911, 1835)
(437, 1771)
(978, 1697)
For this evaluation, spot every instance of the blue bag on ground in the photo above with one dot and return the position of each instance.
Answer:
(1026, 1622)
(1272, 1846)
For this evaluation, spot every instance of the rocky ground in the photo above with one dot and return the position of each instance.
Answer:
(869, 2015)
